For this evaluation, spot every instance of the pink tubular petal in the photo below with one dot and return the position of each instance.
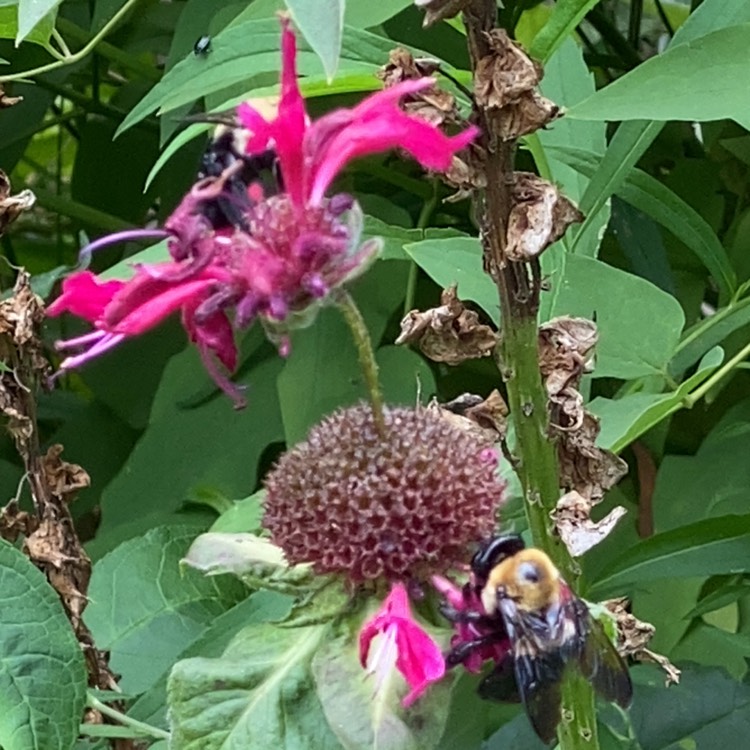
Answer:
(419, 659)
(84, 296)
(146, 301)
(391, 129)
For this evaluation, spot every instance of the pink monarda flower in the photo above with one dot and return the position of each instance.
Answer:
(286, 255)
(402, 643)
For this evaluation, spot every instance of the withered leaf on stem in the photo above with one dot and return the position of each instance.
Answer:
(11, 206)
(490, 414)
(435, 105)
(566, 352)
(539, 216)
(584, 466)
(504, 84)
(8, 101)
(573, 522)
(633, 635)
(449, 333)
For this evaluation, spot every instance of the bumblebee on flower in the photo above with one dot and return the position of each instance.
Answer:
(288, 253)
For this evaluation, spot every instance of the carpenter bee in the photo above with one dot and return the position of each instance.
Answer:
(546, 628)
(227, 150)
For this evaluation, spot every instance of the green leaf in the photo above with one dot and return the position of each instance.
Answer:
(365, 15)
(457, 261)
(707, 709)
(708, 334)
(145, 610)
(565, 16)
(701, 80)
(584, 287)
(649, 195)
(206, 444)
(42, 670)
(321, 22)
(262, 606)
(362, 720)
(244, 515)
(40, 33)
(714, 546)
(259, 693)
(31, 13)
(566, 82)
(625, 419)
(323, 372)
(233, 61)
(591, 289)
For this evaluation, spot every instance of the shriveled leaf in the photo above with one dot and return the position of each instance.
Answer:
(145, 610)
(42, 671)
(259, 693)
(701, 80)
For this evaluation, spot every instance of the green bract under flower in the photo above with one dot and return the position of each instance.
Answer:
(404, 506)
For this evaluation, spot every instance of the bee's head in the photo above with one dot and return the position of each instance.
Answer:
(528, 578)
(491, 553)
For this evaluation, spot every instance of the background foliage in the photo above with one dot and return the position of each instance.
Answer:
(658, 161)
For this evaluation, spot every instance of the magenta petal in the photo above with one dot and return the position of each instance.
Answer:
(84, 296)
(145, 301)
(419, 659)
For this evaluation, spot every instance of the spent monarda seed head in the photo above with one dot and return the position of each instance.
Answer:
(405, 504)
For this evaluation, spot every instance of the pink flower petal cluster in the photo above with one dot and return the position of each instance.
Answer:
(403, 644)
(292, 248)
(467, 600)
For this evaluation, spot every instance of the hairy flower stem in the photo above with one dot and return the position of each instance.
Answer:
(518, 286)
(366, 354)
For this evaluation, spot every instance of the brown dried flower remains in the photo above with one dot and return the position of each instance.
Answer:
(404, 506)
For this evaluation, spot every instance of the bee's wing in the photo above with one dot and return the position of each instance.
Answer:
(599, 662)
(538, 677)
(500, 684)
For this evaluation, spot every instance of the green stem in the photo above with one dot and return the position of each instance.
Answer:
(691, 399)
(366, 354)
(76, 56)
(422, 222)
(125, 720)
(518, 286)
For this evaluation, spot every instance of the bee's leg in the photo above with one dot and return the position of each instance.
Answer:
(467, 616)
(458, 654)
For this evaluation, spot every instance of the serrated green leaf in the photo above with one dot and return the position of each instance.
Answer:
(244, 515)
(42, 671)
(145, 610)
(714, 546)
(321, 22)
(259, 693)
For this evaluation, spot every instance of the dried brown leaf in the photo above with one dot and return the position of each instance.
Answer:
(584, 467)
(11, 206)
(530, 113)
(8, 101)
(539, 216)
(572, 517)
(449, 333)
(633, 635)
(490, 414)
(566, 352)
(15, 522)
